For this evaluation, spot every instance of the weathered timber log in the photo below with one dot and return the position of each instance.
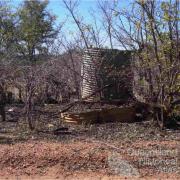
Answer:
(122, 114)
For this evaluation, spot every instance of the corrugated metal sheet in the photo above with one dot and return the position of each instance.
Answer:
(89, 74)
(102, 67)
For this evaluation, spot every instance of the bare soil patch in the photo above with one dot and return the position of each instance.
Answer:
(84, 152)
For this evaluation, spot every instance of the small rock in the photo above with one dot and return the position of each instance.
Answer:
(120, 166)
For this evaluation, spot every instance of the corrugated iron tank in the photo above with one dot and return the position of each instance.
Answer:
(103, 67)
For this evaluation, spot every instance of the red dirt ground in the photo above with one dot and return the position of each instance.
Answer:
(55, 160)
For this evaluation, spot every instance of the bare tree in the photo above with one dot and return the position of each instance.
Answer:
(153, 36)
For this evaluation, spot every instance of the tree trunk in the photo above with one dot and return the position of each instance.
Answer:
(160, 117)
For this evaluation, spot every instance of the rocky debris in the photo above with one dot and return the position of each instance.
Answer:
(120, 166)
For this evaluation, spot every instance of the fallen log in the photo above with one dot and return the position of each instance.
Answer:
(118, 114)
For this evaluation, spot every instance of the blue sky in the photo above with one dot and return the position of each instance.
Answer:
(57, 8)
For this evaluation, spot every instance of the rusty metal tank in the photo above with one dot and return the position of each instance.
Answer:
(102, 67)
